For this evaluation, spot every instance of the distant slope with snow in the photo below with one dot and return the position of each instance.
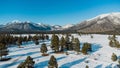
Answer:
(67, 26)
(24, 26)
(101, 23)
(17, 25)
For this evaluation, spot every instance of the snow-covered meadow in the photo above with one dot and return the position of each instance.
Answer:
(99, 58)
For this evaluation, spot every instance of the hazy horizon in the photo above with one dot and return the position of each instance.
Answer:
(60, 12)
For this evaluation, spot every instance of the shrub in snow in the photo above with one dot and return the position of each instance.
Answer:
(114, 57)
(87, 66)
(87, 61)
(43, 48)
(66, 53)
(91, 36)
(52, 62)
(86, 47)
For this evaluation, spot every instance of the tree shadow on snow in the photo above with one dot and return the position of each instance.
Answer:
(10, 64)
(68, 65)
(16, 62)
(99, 66)
(95, 47)
(26, 54)
(109, 66)
(20, 49)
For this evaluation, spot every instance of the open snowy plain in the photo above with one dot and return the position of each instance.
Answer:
(100, 57)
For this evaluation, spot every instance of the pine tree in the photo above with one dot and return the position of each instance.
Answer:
(47, 37)
(70, 46)
(88, 46)
(119, 61)
(55, 43)
(87, 66)
(42, 37)
(77, 45)
(29, 63)
(43, 48)
(62, 43)
(117, 44)
(19, 41)
(67, 42)
(72, 39)
(21, 65)
(111, 43)
(67, 39)
(91, 36)
(3, 50)
(29, 38)
(84, 50)
(52, 63)
(35, 39)
(114, 57)
(25, 39)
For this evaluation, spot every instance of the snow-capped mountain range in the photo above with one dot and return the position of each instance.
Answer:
(109, 22)
(17, 25)
(101, 23)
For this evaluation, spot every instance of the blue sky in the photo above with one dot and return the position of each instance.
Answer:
(54, 12)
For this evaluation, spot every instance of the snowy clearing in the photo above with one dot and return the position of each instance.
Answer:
(99, 58)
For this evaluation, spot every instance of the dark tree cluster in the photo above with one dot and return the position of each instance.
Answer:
(38, 37)
(8, 39)
(3, 51)
(59, 45)
(64, 44)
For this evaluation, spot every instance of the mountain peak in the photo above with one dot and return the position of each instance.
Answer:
(16, 21)
(112, 15)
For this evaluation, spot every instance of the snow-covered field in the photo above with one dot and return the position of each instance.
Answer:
(99, 58)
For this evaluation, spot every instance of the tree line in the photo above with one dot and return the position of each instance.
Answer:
(6, 40)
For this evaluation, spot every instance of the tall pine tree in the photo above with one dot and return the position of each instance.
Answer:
(62, 43)
(19, 41)
(77, 45)
(3, 51)
(55, 43)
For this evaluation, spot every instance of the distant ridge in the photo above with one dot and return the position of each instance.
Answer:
(103, 23)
